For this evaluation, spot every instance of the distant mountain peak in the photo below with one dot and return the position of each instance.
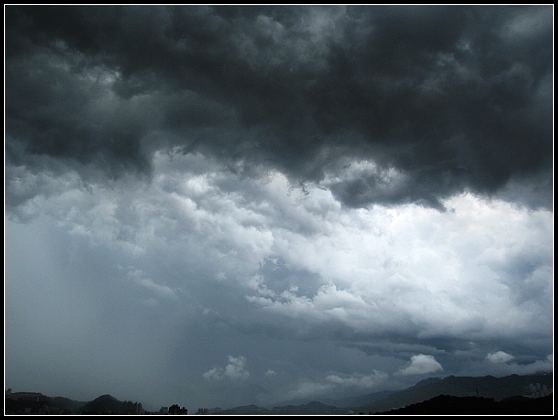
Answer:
(105, 397)
(427, 381)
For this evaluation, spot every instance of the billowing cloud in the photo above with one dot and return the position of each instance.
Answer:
(501, 363)
(499, 357)
(302, 89)
(346, 196)
(421, 364)
(213, 374)
(235, 370)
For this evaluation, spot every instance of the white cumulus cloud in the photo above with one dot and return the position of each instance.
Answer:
(499, 357)
(235, 370)
(420, 364)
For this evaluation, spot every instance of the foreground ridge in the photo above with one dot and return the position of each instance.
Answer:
(447, 404)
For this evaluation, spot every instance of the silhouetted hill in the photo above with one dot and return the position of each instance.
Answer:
(104, 404)
(360, 400)
(240, 395)
(449, 405)
(67, 404)
(26, 402)
(313, 407)
(357, 401)
(246, 409)
(461, 386)
(37, 403)
(107, 404)
(488, 389)
(489, 393)
(426, 381)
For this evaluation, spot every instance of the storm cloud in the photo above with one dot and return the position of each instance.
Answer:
(257, 203)
(438, 99)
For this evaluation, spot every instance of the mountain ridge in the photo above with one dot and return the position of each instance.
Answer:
(497, 389)
(487, 387)
(38, 403)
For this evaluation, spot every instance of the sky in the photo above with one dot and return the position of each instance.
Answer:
(221, 206)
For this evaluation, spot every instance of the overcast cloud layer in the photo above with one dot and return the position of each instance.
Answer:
(235, 205)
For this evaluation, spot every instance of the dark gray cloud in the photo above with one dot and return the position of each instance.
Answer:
(236, 205)
(452, 97)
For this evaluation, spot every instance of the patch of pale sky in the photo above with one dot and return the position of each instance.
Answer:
(358, 380)
(528, 23)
